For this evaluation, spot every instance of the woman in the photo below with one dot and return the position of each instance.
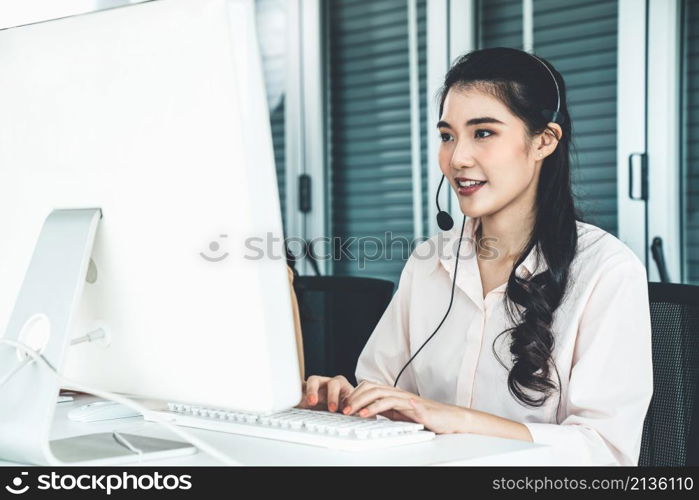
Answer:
(548, 335)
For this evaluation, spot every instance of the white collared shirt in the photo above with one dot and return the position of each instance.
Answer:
(602, 349)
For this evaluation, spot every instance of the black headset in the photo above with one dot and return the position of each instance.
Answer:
(446, 222)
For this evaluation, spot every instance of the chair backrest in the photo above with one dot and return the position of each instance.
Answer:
(670, 429)
(338, 314)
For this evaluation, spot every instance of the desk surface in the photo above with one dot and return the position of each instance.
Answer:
(453, 449)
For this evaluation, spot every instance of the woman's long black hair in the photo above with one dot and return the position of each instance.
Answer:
(523, 84)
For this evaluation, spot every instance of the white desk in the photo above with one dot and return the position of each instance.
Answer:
(454, 449)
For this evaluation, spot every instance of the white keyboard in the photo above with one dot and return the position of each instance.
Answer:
(316, 428)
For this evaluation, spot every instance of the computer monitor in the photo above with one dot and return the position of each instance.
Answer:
(154, 113)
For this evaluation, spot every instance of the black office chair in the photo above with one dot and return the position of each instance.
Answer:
(671, 428)
(338, 314)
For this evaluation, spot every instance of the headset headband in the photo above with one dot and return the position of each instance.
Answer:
(552, 116)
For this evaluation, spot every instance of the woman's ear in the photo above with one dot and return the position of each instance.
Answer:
(556, 130)
(548, 140)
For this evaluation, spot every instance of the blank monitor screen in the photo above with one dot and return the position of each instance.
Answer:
(155, 113)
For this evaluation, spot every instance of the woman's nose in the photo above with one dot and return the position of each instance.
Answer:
(462, 156)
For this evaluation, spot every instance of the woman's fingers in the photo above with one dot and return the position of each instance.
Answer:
(312, 388)
(362, 387)
(360, 399)
(367, 399)
(334, 387)
(385, 404)
(345, 391)
(326, 391)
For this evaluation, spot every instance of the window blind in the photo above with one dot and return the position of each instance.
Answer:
(579, 37)
(370, 178)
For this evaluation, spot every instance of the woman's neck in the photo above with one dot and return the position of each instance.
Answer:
(508, 233)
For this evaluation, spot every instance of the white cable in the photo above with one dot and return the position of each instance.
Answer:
(89, 337)
(206, 448)
(125, 443)
(7, 377)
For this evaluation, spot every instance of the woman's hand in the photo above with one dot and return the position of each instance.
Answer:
(321, 393)
(370, 399)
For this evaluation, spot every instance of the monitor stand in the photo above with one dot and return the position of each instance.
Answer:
(41, 318)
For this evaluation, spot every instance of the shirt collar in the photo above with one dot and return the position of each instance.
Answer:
(533, 264)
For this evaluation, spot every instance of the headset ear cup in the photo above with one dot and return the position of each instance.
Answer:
(444, 221)
(552, 116)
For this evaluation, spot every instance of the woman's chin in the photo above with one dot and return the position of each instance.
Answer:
(472, 210)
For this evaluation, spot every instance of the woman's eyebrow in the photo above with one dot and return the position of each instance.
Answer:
(472, 121)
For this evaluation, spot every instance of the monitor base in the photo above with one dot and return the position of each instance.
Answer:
(103, 449)
(42, 319)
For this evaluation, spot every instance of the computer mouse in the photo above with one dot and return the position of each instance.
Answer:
(101, 410)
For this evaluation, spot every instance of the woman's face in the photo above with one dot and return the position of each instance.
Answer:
(482, 141)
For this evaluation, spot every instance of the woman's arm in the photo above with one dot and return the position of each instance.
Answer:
(610, 386)
(370, 399)
(611, 378)
(478, 422)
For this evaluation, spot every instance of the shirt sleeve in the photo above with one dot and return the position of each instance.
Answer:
(611, 378)
(388, 347)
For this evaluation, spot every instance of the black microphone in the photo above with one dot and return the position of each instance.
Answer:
(444, 220)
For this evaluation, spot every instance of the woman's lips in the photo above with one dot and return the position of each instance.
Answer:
(467, 191)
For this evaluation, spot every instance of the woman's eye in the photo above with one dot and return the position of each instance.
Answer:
(478, 134)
